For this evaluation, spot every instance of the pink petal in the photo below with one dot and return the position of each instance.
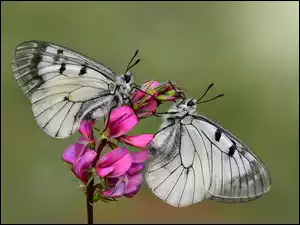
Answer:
(102, 172)
(121, 166)
(137, 95)
(146, 87)
(73, 152)
(131, 194)
(150, 84)
(140, 156)
(115, 163)
(111, 157)
(122, 120)
(85, 128)
(69, 155)
(117, 112)
(148, 109)
(117, 190)
(139, 141)
(83, 163)
(154, 84)
(134, 183)
(135, 168)
(112, 180)
(82, 140)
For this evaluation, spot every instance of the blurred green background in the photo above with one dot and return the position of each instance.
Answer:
(249, 49)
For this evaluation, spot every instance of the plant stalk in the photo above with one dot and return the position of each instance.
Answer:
(89, 202)
(90, 188)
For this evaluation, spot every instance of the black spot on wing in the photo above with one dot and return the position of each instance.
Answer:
(218, 134)
(58, 55)
(232, 148)
(82, 70)
(62, 68)
(231, 151)
(243, 176)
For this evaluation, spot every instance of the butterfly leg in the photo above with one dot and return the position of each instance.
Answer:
(131, 104)
(179, 95)
(106, 119)
(138, 88)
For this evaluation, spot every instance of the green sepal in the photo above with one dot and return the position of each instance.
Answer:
(90, 170)
(107, 199)
(96, 198)
(92, 145)
(93, 175)
(112, 145)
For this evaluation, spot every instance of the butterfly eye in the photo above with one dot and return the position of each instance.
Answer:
(190, 103)
(127, 78)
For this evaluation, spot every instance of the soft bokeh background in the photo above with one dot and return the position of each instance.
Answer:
(249, 49)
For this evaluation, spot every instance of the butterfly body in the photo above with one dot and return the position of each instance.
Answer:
(65, 87)
(195, 158)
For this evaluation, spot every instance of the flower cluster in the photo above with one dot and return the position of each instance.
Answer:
(151, 95)
(117, 173)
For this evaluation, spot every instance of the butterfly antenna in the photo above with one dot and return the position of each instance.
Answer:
(136, 62)
(209, 87)
(218, 96)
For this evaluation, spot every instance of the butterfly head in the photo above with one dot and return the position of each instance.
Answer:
(188, 105)
(127, 78)
(124, 82)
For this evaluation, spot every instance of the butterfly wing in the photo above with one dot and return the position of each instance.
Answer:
(179, 171)
(62, 85)
(237, 174)
(195, 159)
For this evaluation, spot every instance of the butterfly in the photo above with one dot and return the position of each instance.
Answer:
(65, 87)
(195, 158)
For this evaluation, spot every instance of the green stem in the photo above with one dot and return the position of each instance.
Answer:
(89, 202)
(90, 188)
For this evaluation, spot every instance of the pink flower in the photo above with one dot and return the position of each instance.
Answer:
(114, 164)
(130, 180)
(86, 131)
(125, 185)
(75, 150)
(82, 164)
(121, 121)
(139, 141)
(147, 87)
(147, 108)
(151, 95)
(80, 157)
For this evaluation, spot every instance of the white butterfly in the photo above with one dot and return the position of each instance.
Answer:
(194, 158)
(64, 86)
